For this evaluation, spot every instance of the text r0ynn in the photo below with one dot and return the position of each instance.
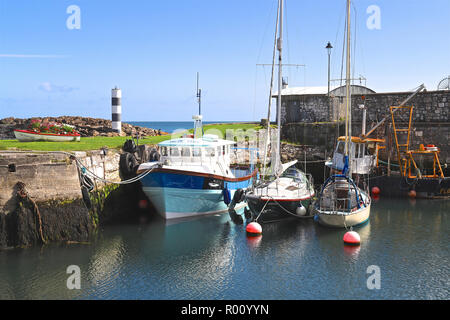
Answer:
(74, 20)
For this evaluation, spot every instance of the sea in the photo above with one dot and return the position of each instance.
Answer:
(404, 254)
(171, 126)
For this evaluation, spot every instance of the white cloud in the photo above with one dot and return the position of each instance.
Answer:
(37, 56)
(49, 87)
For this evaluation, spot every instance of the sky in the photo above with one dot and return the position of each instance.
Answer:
(52, 63)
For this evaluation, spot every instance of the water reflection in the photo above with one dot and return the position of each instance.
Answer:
(212, 258)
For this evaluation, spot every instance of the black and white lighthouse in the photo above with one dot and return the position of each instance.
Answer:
(116, 109)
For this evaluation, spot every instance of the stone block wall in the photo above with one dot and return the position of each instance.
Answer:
(302, 118)
(50, 176)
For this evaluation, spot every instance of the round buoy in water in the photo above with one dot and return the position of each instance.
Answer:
(301, 210)
(375, 191)
(352, 238)
(412, 193)
(253, 229)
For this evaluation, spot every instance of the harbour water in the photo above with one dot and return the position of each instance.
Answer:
(211, 258)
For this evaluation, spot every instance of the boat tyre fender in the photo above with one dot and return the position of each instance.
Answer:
(236, 218)
(154, 155)
(247, 213)
(238, 195)
(127, 165)
(129, 146)
(86, 199)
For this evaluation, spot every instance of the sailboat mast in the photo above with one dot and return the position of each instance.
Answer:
(348, 110)
(267, 140)
(280, 80)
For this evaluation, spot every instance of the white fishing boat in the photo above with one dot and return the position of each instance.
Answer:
(28, 136)
(341, 202)
(285, 191)
(194, 175)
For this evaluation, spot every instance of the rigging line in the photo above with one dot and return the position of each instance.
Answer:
(354, 41)
(287, 38)
(343, 52)
(339, 28)
(266, 28)
(254, 96)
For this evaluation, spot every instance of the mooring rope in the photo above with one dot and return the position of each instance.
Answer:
(22, 193)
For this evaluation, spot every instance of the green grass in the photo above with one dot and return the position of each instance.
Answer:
(94, 143)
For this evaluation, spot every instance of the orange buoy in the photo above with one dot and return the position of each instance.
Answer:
(412, 193)
(253, 229)
(352, 238)
(375, 191)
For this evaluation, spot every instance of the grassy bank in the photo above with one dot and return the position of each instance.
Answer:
(93, 143)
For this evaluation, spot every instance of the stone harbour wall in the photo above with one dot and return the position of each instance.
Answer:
(53, 209)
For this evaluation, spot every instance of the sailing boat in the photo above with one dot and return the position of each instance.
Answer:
(341, 202)
(287, 192)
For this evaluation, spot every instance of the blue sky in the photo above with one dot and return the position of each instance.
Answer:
(153, 49)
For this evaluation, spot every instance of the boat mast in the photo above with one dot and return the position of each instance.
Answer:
(267, 141)
(198, 128)
(280, 80)
(348, 95)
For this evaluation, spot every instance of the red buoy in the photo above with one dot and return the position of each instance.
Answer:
(375, 191)
(412, 193)
(352, 238)
(253, 229)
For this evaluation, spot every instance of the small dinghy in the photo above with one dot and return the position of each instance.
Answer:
(27, 136)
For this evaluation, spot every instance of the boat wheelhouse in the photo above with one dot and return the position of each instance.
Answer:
(364, 155)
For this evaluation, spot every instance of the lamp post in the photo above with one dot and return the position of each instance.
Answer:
(329, 47)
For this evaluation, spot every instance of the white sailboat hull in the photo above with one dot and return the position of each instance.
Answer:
(343, 220)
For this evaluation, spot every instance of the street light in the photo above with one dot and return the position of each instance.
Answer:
(329, 47)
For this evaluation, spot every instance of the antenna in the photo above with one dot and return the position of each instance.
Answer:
(199, 96)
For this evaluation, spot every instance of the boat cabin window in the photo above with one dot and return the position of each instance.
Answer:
(360, 150)
(186, 152)
(223, 150)
(174, 152)
(340, 147)
(296, 174)
(164, 151)
(197, 152)
(210, 152)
